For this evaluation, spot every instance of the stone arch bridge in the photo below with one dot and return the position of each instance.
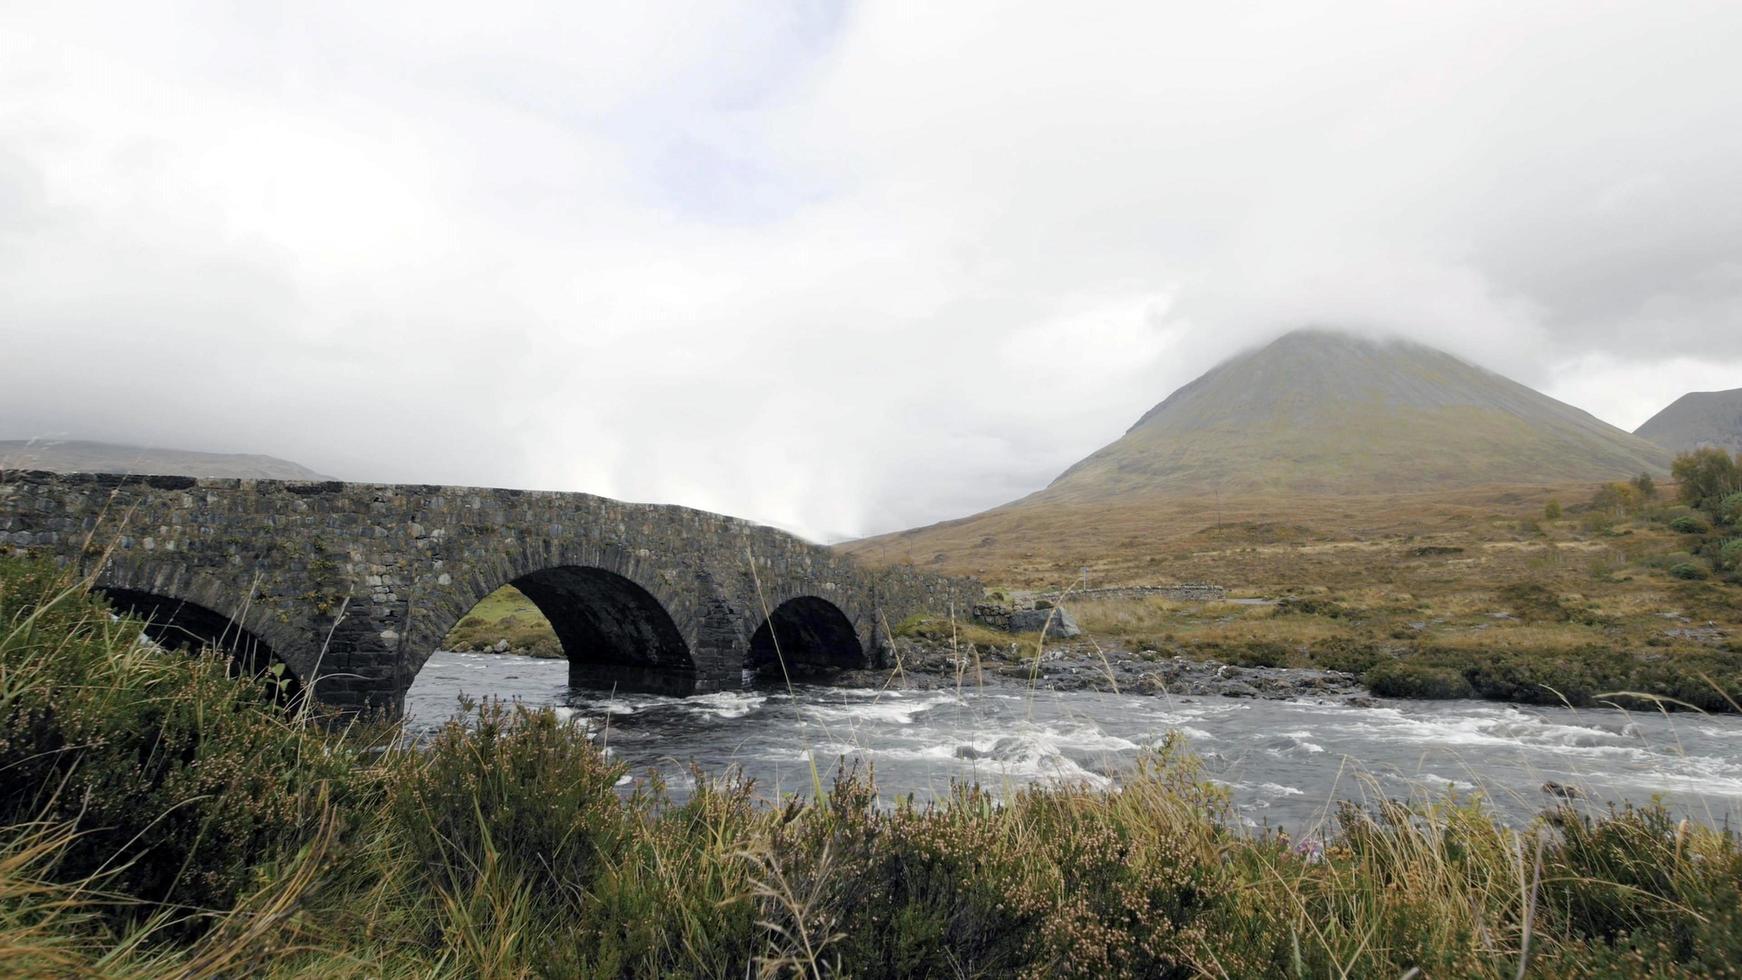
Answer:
(353, 586)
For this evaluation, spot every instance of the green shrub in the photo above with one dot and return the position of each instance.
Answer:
(1400, 679)
(1047, 884)
(1557, 679)
(518, 783)
(1347, 655)
(1551, 511)
(1261, 653)
(1730, 510)
(1689, 524)
(1730, 554)
(1621, 880)
(1706, 476)
(1693, 571)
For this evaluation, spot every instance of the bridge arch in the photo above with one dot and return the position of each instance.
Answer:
(190, 613)
(620, 622)
(806, 632)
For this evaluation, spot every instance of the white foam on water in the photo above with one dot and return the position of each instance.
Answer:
(609, 706)
(1191, 734)
(1439, 782)
(1292, 743)
(1038, 764)
(724, 704)
(892, 708)
(1258, 796)
(1087, 738)
(832, 751)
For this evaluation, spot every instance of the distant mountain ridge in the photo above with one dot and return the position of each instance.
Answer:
(1323, 412)
(78, 456)
(1696, 419)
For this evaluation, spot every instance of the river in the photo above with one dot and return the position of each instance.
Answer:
(1284, 761)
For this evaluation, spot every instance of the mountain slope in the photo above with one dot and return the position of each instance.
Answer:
(1316, 433)
(101, 457)
(1318, 412)
(1698, 418)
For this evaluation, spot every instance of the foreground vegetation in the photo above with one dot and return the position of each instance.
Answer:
(159, 819)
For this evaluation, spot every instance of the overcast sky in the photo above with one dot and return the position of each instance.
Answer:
(839, 267)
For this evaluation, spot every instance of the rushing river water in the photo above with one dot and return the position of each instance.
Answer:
(1285, 761)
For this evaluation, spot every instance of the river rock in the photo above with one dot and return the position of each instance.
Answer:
(1057, 622)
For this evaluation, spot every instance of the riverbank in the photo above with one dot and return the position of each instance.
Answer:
(1522, 643)
(1082, 666)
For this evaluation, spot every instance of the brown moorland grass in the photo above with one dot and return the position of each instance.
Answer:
(1469, 578)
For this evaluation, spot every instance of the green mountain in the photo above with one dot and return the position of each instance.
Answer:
(1318, 412)
(100, 457)
(1698, 418)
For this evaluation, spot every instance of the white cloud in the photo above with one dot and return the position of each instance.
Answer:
(840, 268)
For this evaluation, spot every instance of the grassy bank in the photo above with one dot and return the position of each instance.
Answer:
(505, 616)
(1513, 593)
(159, 819)
(1520, 643)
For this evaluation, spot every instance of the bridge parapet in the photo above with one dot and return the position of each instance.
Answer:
(354, 585)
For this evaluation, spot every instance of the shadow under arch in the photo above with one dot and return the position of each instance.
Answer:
(180, 625)
(614, 632)
(809, 634)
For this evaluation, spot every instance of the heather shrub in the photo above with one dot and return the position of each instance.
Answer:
(1261, 653)
(515, 783)
(181, 782)
(1347, 655)
(1063, 882)
(1403, 679)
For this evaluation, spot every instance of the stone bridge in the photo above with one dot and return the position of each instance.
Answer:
(353, 586)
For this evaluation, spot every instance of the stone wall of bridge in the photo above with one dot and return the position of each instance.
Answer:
(354, 585)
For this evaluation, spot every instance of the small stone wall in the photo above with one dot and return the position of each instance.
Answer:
(1184, 592)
